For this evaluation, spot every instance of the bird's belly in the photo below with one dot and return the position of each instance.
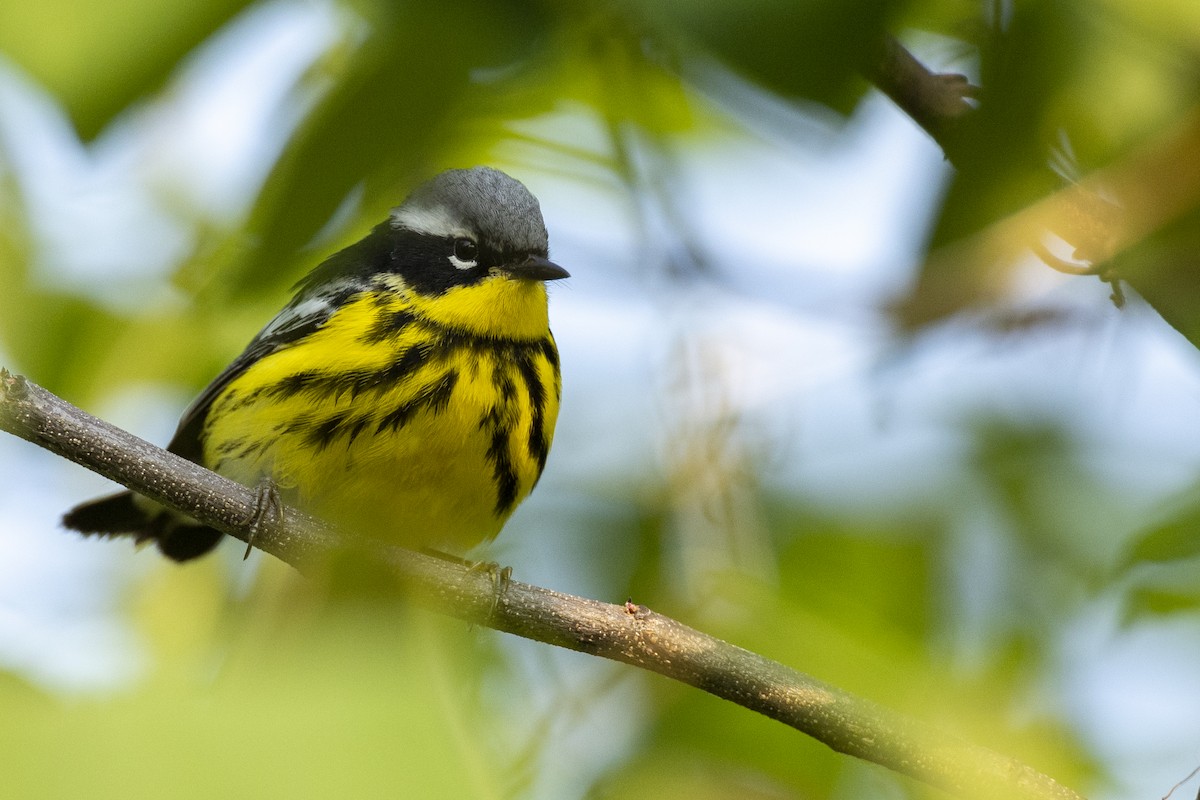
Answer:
(386, 464)
(428, 485)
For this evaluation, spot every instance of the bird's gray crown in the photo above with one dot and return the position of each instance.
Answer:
(478, 202)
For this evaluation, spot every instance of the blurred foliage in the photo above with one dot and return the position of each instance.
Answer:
(811, 50)
(288, 689)
(99, 60)
(399, 93)
(271, 695)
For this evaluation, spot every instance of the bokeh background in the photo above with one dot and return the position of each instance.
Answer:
(808, 407)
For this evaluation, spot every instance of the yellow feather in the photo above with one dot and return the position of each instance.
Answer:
(428, 481)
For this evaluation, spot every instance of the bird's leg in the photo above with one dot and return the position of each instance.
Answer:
(501, 576)
(268, 509)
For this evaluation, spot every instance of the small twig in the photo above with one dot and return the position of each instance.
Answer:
(1106, 213)
(628, 632)
(1190, 775)
(1106, 273)
(935, 101)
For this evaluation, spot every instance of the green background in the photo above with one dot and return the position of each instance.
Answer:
(960, 577)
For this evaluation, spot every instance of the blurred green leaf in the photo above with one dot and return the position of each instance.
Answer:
(810, 50)
(861, 577)
(300, 700)
(1176, 539)
(1164, 269)
(99, 57)
(394, 102)
(1153, 601)
(718, 750)
(1003, 149)
(57, 337)
(680, 775)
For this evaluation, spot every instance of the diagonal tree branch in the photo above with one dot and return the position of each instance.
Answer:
(628, 633)
(936, 101)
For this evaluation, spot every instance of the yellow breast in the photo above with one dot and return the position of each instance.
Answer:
(398, 425)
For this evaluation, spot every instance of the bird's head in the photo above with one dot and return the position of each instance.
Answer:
(471, 247)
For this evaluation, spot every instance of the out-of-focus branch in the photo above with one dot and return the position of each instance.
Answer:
(935, 101)
(628, 633)
(1099, 217)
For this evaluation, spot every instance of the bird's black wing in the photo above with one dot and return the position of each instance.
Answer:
(179, 538)
(304, 315)
(320, 294)
(318, 297)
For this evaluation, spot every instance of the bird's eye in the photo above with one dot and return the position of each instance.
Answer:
(465, 251)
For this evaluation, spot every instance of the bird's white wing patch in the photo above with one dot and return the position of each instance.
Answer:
(310, 310)
(302, 313)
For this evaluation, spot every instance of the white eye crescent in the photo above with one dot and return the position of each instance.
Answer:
(466, 253)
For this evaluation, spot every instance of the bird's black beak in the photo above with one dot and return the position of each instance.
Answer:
(536, 268)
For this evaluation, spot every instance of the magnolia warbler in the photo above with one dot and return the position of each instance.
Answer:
(408, 392)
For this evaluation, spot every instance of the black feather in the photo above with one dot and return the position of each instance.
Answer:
(113, 515)
(120, 515)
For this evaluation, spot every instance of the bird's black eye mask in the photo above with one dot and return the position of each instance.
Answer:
(432, 265)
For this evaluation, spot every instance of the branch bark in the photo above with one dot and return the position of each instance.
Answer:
(627, 633)
(934, 100)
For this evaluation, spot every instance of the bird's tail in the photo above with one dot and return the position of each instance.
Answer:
(124, 514)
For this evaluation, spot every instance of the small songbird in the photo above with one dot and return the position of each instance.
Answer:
(408, 392)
